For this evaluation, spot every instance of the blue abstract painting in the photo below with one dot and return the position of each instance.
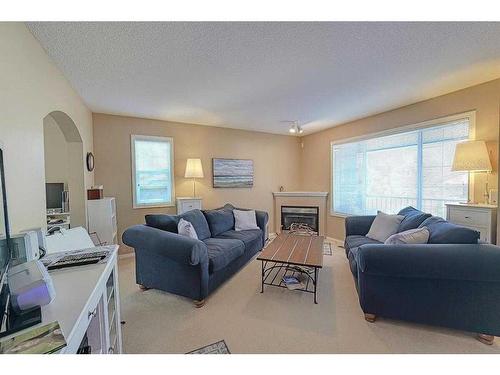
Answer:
(233, 173)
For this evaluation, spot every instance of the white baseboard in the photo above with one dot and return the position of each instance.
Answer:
(336, 241)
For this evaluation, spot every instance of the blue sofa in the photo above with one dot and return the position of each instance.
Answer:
(452, 281)
(192, 268)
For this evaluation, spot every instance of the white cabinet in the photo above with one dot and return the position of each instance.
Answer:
(102, 220)
(187, 204)
(481, 217)
(87, 305)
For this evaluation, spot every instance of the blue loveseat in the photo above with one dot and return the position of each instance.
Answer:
(452, 281)
(192, 268)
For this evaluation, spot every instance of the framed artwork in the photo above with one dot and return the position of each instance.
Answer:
(232, 173)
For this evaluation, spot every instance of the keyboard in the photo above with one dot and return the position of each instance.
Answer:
(78, 260)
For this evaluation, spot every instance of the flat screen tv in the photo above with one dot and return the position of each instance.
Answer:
(54, 195)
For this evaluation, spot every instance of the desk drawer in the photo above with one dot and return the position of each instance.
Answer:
(188, 205)
(469, 217)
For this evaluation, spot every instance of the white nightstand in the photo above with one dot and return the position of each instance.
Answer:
(481, 217)
(188, 203)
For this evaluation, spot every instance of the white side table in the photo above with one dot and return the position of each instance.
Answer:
(481, 217)
(188, 203)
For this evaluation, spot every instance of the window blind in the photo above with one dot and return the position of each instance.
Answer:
(411, 168)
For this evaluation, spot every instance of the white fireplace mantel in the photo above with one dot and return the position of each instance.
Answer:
(304, 199)
(300, 194)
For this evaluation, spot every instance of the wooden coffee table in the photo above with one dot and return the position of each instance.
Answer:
(292, 254)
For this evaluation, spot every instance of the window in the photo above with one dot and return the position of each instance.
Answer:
(410, 168)
(152, 171)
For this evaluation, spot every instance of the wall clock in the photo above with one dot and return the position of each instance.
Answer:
(90, 161)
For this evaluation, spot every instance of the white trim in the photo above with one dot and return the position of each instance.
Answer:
(471, 115)
(300, 193)
(133, 138)
(335, 241)
(126, 255)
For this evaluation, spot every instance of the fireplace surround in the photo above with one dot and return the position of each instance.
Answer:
(301, 199)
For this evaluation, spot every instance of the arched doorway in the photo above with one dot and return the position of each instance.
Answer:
(64, 161)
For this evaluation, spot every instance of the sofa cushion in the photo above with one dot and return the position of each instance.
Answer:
(412, 218)
(410, 236)
(384, 226)
(163, 222)
(251, 238)
(185, 228)
(444, 232)
(199, 222)
(354, 241)
(244, 220)
(221, 252)
(219, 220)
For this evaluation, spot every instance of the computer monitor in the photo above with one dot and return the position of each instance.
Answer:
(54, 195)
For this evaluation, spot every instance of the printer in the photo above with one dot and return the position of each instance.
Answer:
(30, 285)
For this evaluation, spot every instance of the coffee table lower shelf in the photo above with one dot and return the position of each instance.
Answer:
(273, 273)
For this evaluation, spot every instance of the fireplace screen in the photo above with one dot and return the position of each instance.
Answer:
(299, 215)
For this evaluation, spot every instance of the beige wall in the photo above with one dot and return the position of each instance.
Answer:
(276, 162)
(56, 152)
(484, 99)
(31, 87)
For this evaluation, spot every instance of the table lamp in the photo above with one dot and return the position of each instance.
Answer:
(472, 156)
(194, 170)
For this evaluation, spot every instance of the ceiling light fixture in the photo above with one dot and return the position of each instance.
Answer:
(295, 128)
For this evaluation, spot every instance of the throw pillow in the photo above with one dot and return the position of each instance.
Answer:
(185, 228)
(244, 220)
(163, 222)
(199, 222)
(411, 236)
(413, 218)
(220, 220)
(444, 232)
(384, 226)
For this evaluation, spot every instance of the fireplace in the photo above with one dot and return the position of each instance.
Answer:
(300, 215)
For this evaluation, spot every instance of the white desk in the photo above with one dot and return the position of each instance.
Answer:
(87, 300)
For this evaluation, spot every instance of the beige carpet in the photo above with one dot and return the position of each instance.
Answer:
(278, 321)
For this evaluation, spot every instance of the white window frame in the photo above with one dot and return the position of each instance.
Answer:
(471, 115)
(170, 140)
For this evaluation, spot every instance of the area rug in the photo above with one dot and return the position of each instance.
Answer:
(219, 347)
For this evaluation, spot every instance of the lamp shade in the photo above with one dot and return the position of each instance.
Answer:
(471, 156)
(194, 169)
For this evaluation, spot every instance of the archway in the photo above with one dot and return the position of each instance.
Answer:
(64, 161)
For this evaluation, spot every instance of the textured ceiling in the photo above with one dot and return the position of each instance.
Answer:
(254, 75)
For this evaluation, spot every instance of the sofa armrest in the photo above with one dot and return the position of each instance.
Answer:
(262, 217)
(179, 248)
(474, 262)
(358, 225)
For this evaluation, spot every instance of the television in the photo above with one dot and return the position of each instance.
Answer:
(54, 195)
